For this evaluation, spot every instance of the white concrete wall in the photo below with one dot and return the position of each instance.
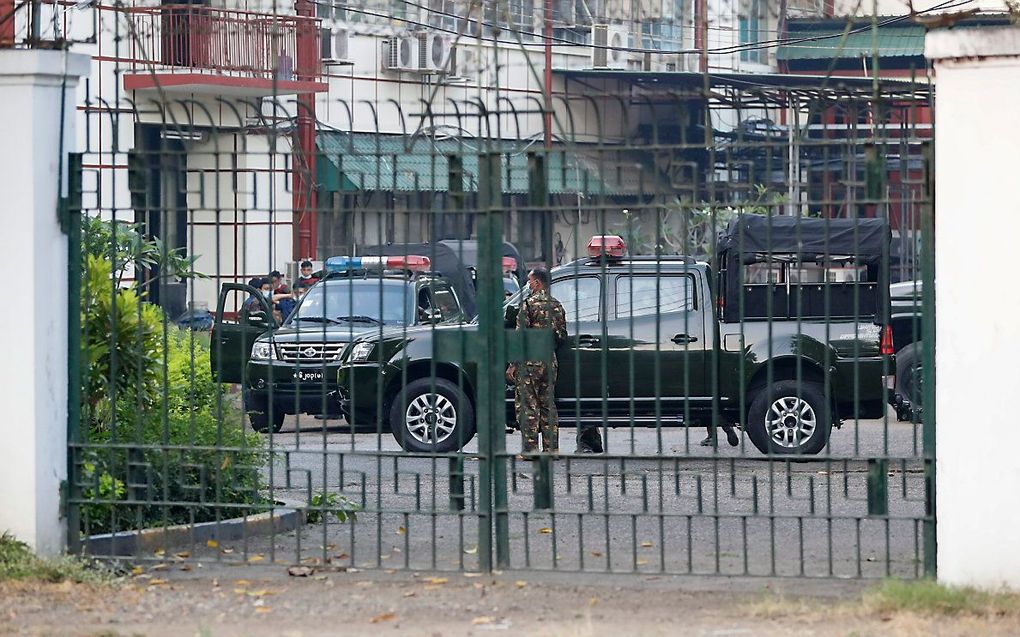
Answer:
(977, 223)
(239, 199)
(33, 456)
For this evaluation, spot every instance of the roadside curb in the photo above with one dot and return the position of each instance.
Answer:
(286, 516)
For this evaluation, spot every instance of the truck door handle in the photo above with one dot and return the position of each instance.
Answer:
(587, 340)
(681, 339)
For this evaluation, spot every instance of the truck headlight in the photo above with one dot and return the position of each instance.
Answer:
(263, 351)
(361, 352)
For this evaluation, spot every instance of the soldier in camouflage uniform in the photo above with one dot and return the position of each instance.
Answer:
(536, 380)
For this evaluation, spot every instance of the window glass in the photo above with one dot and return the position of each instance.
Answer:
(645, 295)
(364, 300)
(446, 302)
(580, 298)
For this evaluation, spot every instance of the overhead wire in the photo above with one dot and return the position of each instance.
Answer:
(542, 39)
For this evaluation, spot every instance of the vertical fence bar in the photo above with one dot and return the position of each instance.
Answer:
(72, 225)
(491, 441)
(928, 369)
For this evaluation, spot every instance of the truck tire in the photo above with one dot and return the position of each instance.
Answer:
(789, 418)
(909, 371)
(259, 417)
(432, 415)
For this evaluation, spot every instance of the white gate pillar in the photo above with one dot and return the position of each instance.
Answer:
(977, 220)
(38, 91)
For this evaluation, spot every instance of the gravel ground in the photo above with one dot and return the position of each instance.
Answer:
(661, 505)
(222, 601)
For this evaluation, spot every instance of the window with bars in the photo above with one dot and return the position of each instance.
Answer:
(665, 33)
(521, 16)
(751, 26)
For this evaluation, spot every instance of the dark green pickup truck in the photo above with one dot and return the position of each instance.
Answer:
(786, 337)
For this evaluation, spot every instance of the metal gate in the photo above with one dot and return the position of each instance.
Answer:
(296, 308)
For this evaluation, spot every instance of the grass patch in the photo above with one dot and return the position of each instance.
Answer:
(921, 599)
(931, 598)
(17, 562)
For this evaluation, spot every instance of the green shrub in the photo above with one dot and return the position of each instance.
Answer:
(187, 446)
(18, 563)
(334, 504)
(160, 428)
(120, 343)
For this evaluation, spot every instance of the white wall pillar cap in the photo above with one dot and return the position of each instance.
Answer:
(972, 43)
(15, 63)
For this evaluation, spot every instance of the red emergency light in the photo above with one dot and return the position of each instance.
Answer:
(411, 262)
(509, 264)
(609, 244)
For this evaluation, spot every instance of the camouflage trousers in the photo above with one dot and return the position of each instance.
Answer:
(536, 407)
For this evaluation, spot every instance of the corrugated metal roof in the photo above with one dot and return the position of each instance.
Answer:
(827, 44)
(395, 163)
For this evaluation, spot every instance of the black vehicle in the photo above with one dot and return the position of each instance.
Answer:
(799, 345)
(905, 319)
(292, 367)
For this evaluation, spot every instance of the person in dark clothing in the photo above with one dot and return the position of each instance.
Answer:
(306, 274)
(276, 283)
(252, 310)
(731, 436)
(287, 304)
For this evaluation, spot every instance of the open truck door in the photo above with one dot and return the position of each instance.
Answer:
(231, 340)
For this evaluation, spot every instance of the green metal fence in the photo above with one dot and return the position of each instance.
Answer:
(739, 257)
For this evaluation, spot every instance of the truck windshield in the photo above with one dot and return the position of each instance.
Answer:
(360, 301)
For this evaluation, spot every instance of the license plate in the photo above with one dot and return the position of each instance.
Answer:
(308, 376)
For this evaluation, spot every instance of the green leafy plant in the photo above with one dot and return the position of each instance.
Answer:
(168, 433)
(17, 562)
(334, 504)
(123, 245)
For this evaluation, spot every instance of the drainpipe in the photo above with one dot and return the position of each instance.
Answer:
(306, 238)
(7, 10)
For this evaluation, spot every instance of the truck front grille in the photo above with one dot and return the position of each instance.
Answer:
(309, 352)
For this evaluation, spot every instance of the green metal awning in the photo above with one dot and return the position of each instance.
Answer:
(364, 162)
(827, 44)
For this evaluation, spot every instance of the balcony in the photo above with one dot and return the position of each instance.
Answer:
(224, 52)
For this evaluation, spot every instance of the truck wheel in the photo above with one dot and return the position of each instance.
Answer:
(432, 415)
(789, 418)
(260, 418)
(909, 374)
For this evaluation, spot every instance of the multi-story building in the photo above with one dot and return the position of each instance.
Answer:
(254, 134)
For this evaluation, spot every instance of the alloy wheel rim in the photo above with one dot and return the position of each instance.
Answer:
(430, 418)
(790, 422)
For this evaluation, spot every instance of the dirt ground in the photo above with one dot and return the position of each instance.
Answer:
(222, 602)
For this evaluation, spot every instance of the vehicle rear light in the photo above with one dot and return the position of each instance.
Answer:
(509, 264)
(611, 245)
(886, 346)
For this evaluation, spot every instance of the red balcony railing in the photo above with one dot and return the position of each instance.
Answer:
(198, 39)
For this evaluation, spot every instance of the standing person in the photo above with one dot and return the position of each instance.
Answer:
(536, 380)
(251, 310)
(731, 436)
(306, 274)
(276, 282)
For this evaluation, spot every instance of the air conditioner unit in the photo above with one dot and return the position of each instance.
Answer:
(434, 52)
(401, 54)
(609, 46)
(335, 44)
